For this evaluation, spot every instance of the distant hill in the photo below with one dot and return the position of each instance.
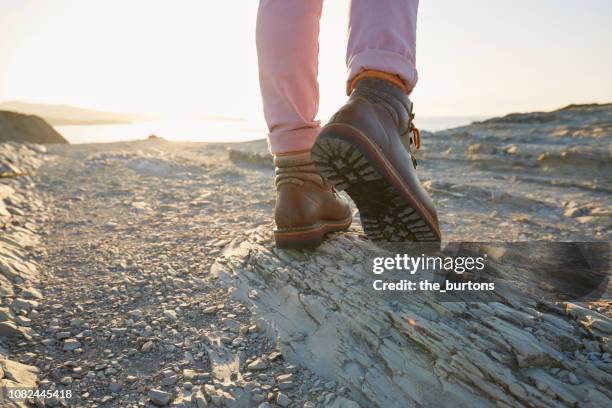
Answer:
(589, 113)
(18, 127)
(72, 122)
(69, 115)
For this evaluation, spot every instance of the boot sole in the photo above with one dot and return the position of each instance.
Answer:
(308, 237)
(388, 210)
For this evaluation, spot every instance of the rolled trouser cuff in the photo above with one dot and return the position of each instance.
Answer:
(385, 61)
(296, 140)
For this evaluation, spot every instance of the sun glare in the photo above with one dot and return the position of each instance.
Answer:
(194, 58)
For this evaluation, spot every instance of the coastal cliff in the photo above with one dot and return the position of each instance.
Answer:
(18, 127)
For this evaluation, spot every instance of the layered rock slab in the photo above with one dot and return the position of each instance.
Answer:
(20, 212)
(414, 350)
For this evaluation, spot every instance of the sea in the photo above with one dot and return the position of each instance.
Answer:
(208, 130)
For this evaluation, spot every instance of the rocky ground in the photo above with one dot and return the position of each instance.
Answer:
(118, 304)
(21, 216)
(129, 315)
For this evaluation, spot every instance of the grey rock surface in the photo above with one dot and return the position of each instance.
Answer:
(21, 214)
(416, 351)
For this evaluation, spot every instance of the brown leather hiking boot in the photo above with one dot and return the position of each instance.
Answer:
(367, 150)
(307, 205)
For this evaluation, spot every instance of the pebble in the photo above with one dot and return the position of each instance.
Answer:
(170, 380)
(62, 335)
(71, 344)
(22, 320)
(573, 379)
(210, 310)
(48, 342)
(282, 400)
(199, 399)
(159, 397)
(147, 346)
(189, 374)
(170, 314)
(285, 378)
(26, 305)
(257, 365)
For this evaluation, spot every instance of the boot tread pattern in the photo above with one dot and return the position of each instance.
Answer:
(385, 213)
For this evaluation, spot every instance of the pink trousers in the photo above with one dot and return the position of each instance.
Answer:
(381, 36)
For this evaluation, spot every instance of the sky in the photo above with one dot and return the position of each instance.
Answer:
(197, 58)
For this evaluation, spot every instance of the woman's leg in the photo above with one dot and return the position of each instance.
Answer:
(382, 37)
(368, 146)
(287, 50)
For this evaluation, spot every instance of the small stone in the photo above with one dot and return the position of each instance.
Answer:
(159, 397)
(24, 304)
(32, 293)
(282, 399)
(171, 380)
(257, 365)
(286, 385)
(23, 321)
(512, 149)
(170, 314)
(119, 331)
(275, 355)
(231, 324)
(62, 335)
(573, 379)
(6, 314)
(216, 399)
(189, 374)
(199, 399)
(148, 346)
(9, 329)
(285, 377)
(71, 344)
(210, 310)
(48, 342)
(542, 386)
(253, 328)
